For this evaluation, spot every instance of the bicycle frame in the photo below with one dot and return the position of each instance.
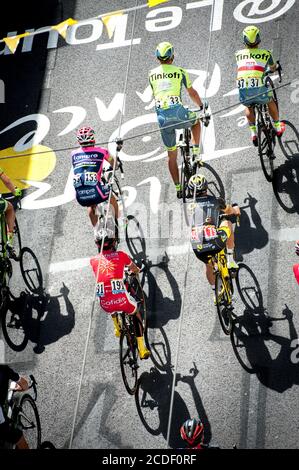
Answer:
(219, 264)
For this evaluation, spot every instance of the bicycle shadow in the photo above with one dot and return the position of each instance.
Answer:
(286, 185)
(39, 318)
(247, 237)
(152, 400)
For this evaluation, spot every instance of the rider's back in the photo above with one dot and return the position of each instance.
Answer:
(110, 265)
(167, 80)
(253, 62)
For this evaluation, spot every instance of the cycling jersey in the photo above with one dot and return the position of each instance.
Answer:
(109, 267)
(206, 236)
(166, 82)
(88, 165)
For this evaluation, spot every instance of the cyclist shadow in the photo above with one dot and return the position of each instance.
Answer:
(286, 185)
(152, 400)
(40, 318)
(255, 347)
(247, 237)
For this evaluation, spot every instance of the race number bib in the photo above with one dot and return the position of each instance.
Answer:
(249, 83)
(90, 178)
(77, 180)
(100, 289)
(210, 233)
(117, 286)
(168, 101)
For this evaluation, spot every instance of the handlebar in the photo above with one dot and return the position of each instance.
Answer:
(119, 144)
(15, 200)
(33, 385)
(278, 70)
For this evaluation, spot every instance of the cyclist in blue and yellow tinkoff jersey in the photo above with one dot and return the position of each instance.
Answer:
(166, 82)
(252, 65)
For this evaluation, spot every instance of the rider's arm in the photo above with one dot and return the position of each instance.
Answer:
(271, 63)
(232, 210)
(132, 267)
(7, 181)
(22, 384)
(194, 96)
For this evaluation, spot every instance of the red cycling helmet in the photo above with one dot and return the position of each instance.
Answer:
(86, 136)
(192, 431)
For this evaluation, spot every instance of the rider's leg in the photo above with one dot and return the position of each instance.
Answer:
(249, 113)
(196, 131)
(115, 206)
(92, 214)
(210, 275)
(273, 111)
(10, 220)
(230, 244)
(144, 353)
(174, 170)
(114, 317)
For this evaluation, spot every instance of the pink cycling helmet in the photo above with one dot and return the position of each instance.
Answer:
(86, 136)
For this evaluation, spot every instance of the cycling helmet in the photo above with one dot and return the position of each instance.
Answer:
(164, 51)
(86, 136)
(192, 431)
(110, 240)
(251, 36)
(198, 183)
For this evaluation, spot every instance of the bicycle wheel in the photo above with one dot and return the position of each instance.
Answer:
(137, 292)
(29, 422)
(128, 360)
(249, 289)
(224, 308)
(289, 141)
(13, 329)
(31, 270)
(17, 240)
(47, 445)
(265, 149)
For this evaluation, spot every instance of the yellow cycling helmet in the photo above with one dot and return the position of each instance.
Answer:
(251, 36)
(164, 51)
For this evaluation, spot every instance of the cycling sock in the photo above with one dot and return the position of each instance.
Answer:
(10, 238)
(195, 150)
(178, 186)
(230, 256)
(277, 126)
(252, 128)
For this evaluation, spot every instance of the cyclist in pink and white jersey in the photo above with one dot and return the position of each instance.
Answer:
(88, 163)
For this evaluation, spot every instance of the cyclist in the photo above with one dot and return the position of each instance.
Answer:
(113, 296)
(7, 208)
(296, 266)
(209, 234)
(88, 163)
(7, 432)
(252, 64)
(166, 82)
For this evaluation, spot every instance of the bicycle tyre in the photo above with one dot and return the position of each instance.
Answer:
(280, 139)
(47, 445)
(271, 84)
(223, 308)
(29, 400)
(127, 356)
(265, 148)
(35, 284)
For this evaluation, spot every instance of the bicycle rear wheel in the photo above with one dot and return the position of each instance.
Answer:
(128, 360)
(289, 141)
(265, 149)
(224, 308)
(29, 422)
(31, 270)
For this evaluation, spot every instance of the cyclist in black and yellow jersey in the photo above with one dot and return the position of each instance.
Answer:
(7, 208)
(166, 82)
(210, 234)
(253, 63)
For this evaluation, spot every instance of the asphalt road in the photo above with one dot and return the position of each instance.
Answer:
(254, 406)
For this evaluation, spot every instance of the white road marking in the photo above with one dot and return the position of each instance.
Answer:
(285, 234)
(69, 265)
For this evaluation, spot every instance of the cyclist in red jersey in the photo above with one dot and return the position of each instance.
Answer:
(109, 267)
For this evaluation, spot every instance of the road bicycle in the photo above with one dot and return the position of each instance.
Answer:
(188, 163)
(224, 287)
(22, 412)
(128, 348)
(266, 133)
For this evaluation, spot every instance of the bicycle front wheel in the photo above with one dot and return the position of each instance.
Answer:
(13, 329)
(17, 240)
(265, 149)
(128, 361)
(223, 304)
(29, 422)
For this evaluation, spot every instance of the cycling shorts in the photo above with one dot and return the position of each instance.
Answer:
(119, 303)
(3, 205)
(249, 95)
(89, 196)
(9, 433)
(174, 117)
(204, 251)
